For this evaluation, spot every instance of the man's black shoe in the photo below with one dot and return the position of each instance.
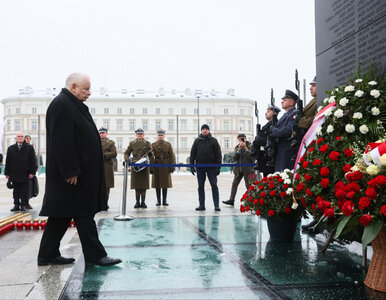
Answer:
(60, 260)
(28, 206)
(22, 208)
(15, 208)
(217, 209)
(105, 261)
(200, 208)
(143, 205)
(229, 202)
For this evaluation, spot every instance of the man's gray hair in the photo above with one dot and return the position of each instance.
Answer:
(74, 78)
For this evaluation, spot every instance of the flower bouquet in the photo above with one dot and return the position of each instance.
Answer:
(272, 198)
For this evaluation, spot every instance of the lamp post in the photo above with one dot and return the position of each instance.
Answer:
(198, 115)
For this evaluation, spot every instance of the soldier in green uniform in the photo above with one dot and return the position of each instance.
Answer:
(109, 153)
(139, 180)
(161, 179)
(309, 111)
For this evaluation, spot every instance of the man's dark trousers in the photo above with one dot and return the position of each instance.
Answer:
(201, 177)
(20, 193)
(92, 248)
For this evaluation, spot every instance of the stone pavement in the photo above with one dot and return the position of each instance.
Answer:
(21, 278)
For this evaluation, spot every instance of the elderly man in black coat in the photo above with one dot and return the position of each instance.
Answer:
(75, 179)
(285, 156)
(20, 167)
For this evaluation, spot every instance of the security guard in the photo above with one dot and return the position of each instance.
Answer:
(285, 155)
(261, 142)
(163, 154)
(139, 180)
(109, 153)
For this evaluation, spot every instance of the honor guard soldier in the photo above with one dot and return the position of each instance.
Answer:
(285, 156)
(260, 142)
(309, 111)
(141, 151)
(161, 179)
(109, 153)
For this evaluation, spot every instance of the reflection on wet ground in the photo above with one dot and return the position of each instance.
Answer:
(219, 257)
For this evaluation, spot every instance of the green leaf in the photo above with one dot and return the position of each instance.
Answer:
(341, 225)
(371, 232)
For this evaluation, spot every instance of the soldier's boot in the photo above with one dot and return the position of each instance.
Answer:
(143, 204)
(158, 193)
(137, 204)
(164, 195)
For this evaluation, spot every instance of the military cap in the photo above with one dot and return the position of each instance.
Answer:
(161, 132)
(274, 108)
(290, 94)
(139, 130)
(313, 81)
(102, 129)
(205, 126)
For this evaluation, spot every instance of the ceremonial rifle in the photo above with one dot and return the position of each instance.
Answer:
(298, 132)
(272, 142)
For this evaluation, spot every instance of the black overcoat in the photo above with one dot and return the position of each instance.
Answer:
(73, 149)
(20, 163)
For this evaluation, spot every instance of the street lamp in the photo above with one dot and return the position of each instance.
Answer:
(198, 115)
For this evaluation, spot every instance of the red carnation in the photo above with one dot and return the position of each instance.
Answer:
(303, 201)
(316, 162)
(261, 201)
(324, 204)
(357, 175)
(340, 193)
(319, 198)
(280, 180)
(372, 183)
(247, 208)
(311, 149)
(334, 155)
(353, 186)
(370, 192)
(300, 186)
(324, 171)
(339, 185)
(364, 202)
(380, 180)
(329, 212)
(319, 140)
(383, 209)
(242, 208)
(271, 185)
(271, 212)
(287, 210)
(324, 148)
(309, 193)
(263, 194)
(283, 194)
(307, 177)
(351, 195)
(313, 206)
(347, 208)
(251, 188)
(305, 164)
(255, 201)
(313, 142)
(261, 187)
(297, 177)
(348, 152)
(273, 193)
(346, 168)
(365, 219)
(250, 199)
(338, 138)
(324, 182)
(257, 212)
(285, 186)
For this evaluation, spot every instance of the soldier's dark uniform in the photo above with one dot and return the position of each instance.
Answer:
(161, 179)
(139, 180)
(109, 153)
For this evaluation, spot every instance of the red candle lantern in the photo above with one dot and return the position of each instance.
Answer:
(43, 224)
(27, 224)
(19, 225)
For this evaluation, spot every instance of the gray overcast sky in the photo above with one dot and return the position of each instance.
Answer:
(249, 45)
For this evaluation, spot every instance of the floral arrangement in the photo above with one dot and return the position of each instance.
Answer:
(272, 196)
(355, 115)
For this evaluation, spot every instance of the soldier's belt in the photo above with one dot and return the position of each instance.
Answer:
(193, 165)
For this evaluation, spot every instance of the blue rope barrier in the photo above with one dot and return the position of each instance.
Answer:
(192, 165)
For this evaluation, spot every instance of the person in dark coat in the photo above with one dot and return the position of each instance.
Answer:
(162, 179)
(258, 146)
(109, 153)
(27, 139)
(20, 167)
(241, 155)
(139, 181)
(206, 150)
(285, 155)
(75, 179)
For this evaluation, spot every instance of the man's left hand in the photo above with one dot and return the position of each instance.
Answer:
(72, 180)
(30, 176)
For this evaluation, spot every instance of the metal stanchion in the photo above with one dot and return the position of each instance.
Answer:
(123, 216)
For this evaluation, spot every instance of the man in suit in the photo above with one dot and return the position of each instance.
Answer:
(109, 153)
(20, 167)
(75, 178)
(285, 155)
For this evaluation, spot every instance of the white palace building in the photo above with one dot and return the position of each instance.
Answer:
(180, 113)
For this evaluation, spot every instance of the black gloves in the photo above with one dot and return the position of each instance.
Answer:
(151, 171)
(193, 170)
(172, 169)
(149, 153)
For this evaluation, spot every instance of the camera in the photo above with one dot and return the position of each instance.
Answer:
(243, 139)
